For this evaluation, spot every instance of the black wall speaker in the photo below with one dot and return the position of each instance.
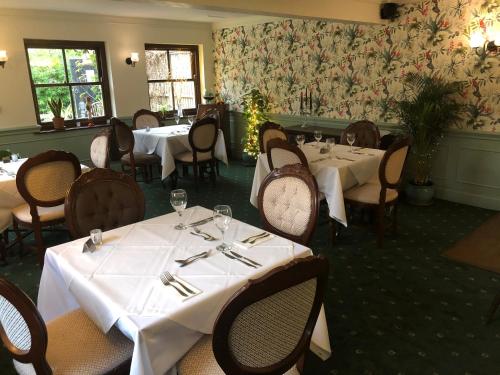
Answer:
(389, 11)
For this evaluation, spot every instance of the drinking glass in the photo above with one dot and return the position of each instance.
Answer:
(177, 118)
(317, 137)
(178, 200)
(222, 218)
(14, 157)
(191, 119)
(300, 138)
(96, 236)
(330, 143)
(351, 138)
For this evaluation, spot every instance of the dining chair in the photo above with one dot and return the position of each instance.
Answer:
(99, 150)
(270, 130)
(43, 181)
(5, 223)
(131, 160)
(289, 203)
(281, 153)
(103, 199)
(202, 139)
(69, 344)
(145, 118)
(386, 141)
(215, 111)
(367, 134)
(383, 193)
(266, 327)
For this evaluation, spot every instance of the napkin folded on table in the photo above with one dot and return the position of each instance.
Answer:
(246, 245)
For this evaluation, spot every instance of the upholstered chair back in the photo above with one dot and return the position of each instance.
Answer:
(103, 199)
(367, 134)
(392, 165)
(124, 136)
(270, 130)
(22, 330)
(281, 153)
(288, 202)
(203, 135)
(44, 179)
(99, 150)
(144, 118)
(267, 326)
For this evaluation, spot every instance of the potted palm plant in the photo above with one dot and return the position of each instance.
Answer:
(429, 106)
(255, 107)
(55, 106)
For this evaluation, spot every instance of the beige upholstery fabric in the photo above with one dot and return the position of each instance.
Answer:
(143, 121)
(23, 213)
(369, 193)
(204, 136)
(282, 157)
(14, 325)
(141, 158)
(272, 134)
(50, 181)
(77, 346)
(5, 219)
(395, 164)
(201, 360)
(99, 151)
(187, 156)
(287, 205)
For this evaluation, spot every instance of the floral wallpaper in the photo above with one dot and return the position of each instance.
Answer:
(355, 71)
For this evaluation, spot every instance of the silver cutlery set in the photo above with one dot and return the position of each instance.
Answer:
(167, 279)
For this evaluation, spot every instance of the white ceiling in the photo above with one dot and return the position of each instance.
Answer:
(159, 9)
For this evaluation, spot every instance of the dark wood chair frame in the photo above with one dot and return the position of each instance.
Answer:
(281, 278)
(493, 308)
(381, 206)
(212, 112)
(280, 143)
(142, 112)
(266, 126)
(98, 175)
(106, 133)
(301, 172)
(36, 225)
(351, 128)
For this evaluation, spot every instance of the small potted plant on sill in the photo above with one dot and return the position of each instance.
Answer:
(255, 107)
(428, 108)
(55, 106)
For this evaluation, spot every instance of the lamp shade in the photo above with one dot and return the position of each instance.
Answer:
(134, 56)
(3, 55)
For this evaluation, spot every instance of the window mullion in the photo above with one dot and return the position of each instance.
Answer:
(169, 64)
(68, 85)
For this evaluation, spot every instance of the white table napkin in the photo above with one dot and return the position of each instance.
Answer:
(247, 245)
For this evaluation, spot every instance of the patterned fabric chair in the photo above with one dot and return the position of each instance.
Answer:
(144, 118)
(383, 193)
(70, 344)
(266, 327)
(270, 130)
(43, 181)
(289, 203)
(131, 160)
(202, 139)
(103, 199)
(5, 222)
(99, 150)
(215, 111)
(367, 134)
(281, 153)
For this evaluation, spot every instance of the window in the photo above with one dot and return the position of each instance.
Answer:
(74, 72)
(173, 77)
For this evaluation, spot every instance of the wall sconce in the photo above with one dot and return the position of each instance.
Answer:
(487, 44)
(3, 58)
(133, 59)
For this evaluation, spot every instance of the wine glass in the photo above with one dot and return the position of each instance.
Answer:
(178, 200)
(330, 143)
(317, 137)
(351, 138)
(222, 218)
(191, 119)
(300, 138)
(177, 118)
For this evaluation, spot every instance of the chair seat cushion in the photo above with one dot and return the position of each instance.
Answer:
(187, 157)
(200, 360)
(141, 158)
(77, 346)
(5, 219)
(22, 213)
(369, 193)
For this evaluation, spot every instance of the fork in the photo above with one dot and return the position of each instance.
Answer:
(251, 238)
(254, 240)
(165, 282)
(171, 279)
(206, 236)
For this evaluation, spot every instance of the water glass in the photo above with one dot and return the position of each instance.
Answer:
(222, 218)
(14, 157)
(178, 200)
(96, 236)
(317, 137)
(330, 143)
(191, 119)
(300, 138)
(351, 138)
(148, 129)
(177, 118)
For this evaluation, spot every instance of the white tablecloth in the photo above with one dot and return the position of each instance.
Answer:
(119, 285)
(168, 141)
(333, 175)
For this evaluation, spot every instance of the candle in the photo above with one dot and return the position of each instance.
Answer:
(310, 102)
(301, 101)
(306, 97)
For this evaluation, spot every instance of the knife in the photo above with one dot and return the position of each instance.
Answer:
(245, 258)
(200, 222)
(238, 259)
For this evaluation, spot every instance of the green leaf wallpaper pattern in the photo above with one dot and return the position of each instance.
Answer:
(356, 71)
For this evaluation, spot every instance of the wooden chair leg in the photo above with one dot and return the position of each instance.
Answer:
(19, 237)
(334, 230)
(3, 252)
(217, 167)
(493, 309)
(380, 225)
(40, 246)
(196, 172)
(395, 219)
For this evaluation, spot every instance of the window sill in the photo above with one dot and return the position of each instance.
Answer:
(71, 128)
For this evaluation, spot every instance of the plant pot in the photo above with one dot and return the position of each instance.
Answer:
(248, 160)
(58, 123)
(420, 195)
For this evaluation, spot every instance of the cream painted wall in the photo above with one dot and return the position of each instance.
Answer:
(129, 89)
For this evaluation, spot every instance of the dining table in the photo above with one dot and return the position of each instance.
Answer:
(119, 284)
(334, 172)
(167, 141)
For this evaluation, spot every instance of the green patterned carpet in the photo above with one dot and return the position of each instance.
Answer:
(403, 309)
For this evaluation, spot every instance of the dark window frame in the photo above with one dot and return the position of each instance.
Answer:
(103, 81)
(195, 68)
